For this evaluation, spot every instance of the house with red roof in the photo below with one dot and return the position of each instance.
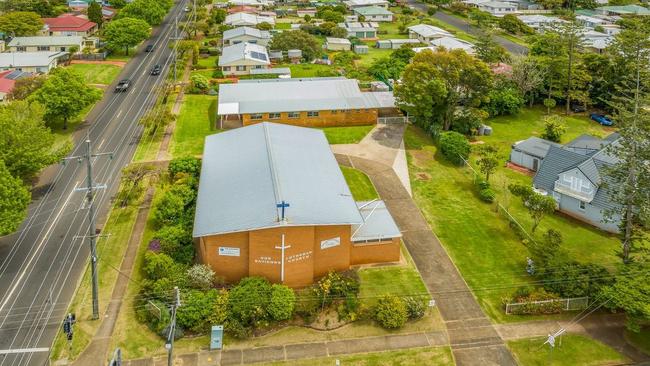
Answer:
(69, 25)
(8, 80)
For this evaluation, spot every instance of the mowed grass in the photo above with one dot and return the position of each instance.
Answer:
(194, 123)
(360, 185)
(490, 256)
(310, 70)
(346, 135)
(97, 73)
(439, 356)
(570, 350)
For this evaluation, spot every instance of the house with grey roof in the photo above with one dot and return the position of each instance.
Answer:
(352, 4)
(314, 102)
(273, 202)
(35, 62)
(575, 175)
(426, 33)
(241, 58)
(374, 13)
(46, 44)
(242, 19)
(498, 8)
(361, 30)
(530, 152)
(246, 34)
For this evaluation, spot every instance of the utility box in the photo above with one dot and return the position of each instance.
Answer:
(216, 337)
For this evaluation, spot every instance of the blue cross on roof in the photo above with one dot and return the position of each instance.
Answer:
(282, 205)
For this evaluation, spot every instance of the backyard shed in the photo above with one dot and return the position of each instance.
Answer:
(337, 44)
(360, 49)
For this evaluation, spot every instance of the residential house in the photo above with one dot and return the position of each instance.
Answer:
(498, 8)
(337, 44)
(352, 4)
(251, 3)
(306, 11)
(539, 22)
(246, 34)
(34, 62)
(596, 41)
(69, 25)
(575, 176)
(426, 33)
(313, 102)
(46, 44)
(245, 19)
(361, 30)
(374, 13)
(448, 43)
(285, 211)
(623, 10)
(243, 9)
(473, 3)
(241, 58)
(529, 153)
(8, 80)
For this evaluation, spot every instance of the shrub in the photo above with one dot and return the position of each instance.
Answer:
(219, 313)
(188, 164)
(415, 307)
(282, 302)
(504, 100)
(337, 285)
(454, 147)
(527, 296)
(173, 207)
(237, 329)
(199, 83)
(573, 279)
(487, 195)
(307, 303)
(390, 312)
(172, 238)
(197, 306)
(200, 276)
(553, 129)
(157, 265)
(217, 74)
(249, 300)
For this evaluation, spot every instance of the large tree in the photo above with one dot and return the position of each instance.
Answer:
(25, 142)
(24, 87)
(44, 8)
(436, 83)
(631, 292)
(95, 13)
(299, 40)
(126, 32)
(528, 74)
(630, 176)
(538, 205)
(148, 10)
(64, 94)
(20, 23)
(14, 198)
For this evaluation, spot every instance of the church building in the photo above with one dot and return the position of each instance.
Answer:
(273, 202)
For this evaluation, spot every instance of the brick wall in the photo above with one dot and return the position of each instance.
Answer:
(354, 117)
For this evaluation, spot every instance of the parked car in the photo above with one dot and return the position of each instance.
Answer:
(122, 85)
(578, 108)
(601, 119)
(187, 9)
(155, 70)
(149, 48)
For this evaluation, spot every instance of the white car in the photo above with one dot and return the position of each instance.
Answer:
(187, 9)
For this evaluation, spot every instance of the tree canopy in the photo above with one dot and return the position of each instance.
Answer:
(64, 94)
(299, 40)
(150, 11)
(126, 32)
(20, 23)
(14, 198)
(95, 13)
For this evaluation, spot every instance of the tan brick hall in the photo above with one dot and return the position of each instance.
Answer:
(273, 202)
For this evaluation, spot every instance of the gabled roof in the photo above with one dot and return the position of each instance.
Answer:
(557, 160)
(244, 51)
(372, 10)
(289, 95)
(365, 2)
(453, 43)
(377, 222)
(586, 144)
(28, 59)
(248, 31)
(535, 146)
(69, 22)
(359, 26)
(246, 172)
(46, 41)
(625, 9)
(245, 18)
(338, 40)
(497, 4)
(426, 30)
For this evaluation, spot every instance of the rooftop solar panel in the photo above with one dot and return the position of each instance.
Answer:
(258, 56)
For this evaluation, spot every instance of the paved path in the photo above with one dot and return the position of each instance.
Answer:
(463, 25)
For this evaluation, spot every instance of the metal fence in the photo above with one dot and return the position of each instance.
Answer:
(90, 56)
(392, 120)
(568, 304)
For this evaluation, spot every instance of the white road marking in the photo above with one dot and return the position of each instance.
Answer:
(119, 113)
(23, 350)
(38, 247)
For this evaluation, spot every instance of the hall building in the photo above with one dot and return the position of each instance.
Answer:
(273, 202)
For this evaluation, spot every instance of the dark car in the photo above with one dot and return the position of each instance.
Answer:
(603, 120)
(122, 85)
(578, 108)
(149, 48)
(155, 70)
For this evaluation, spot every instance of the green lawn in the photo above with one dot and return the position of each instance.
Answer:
(570, 350)
(489, 255)
(120, 55)
(346, 135)
(209, 62)
(194, 123)
(97, 73)
(207, 73)
(439, 356)
(310, 70)
(360, 185)
(282, 26)
(640, 340)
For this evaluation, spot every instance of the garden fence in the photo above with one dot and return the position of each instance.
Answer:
(392, 120)
(568, 304)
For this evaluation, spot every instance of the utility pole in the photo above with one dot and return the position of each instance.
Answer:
(117, 358)
(92, 230)
(176, 45)
(172, 328)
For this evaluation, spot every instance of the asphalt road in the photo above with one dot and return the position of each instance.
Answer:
(41, 264)
(512, 47)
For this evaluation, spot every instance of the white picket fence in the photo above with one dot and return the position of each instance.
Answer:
(392, 120)
(568, 304)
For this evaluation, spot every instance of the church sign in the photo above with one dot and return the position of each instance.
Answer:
(330, 243)
(229, 251)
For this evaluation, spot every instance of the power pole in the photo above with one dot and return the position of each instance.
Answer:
(92, 229)
(117, 358)
(172, 328)
(176, 45)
